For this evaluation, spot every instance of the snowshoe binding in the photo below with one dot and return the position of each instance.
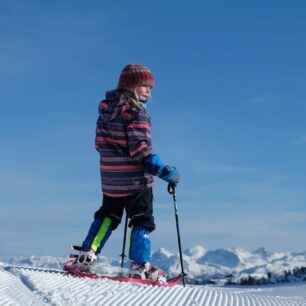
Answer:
(81, 262)
(147, 272)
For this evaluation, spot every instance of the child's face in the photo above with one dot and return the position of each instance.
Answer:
(143, 92)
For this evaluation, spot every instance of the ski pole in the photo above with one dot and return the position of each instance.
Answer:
(171, 190)
(124, 240)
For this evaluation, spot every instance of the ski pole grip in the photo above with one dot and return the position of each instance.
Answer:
(171, 188)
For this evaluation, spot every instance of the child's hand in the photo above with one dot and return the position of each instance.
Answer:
(170, 175)
(155, 166)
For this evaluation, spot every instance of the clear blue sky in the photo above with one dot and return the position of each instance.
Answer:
(228, 111)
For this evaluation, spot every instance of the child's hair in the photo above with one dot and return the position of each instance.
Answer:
(134, 99)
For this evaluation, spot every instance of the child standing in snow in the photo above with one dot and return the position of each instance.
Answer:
(127, 166)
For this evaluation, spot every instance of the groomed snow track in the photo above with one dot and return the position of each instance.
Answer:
(26, 286)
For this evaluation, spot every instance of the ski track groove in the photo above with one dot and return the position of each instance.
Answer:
(52, 288)
(257, 303)
(196, 297)
(107, 293)
(230, 299)
(249, 300)
(207, 300)
(263, 302)
(91, 298)
(240, 299)
(163, 297)
(281, 302)
(137, 296)
(224, 296)
(227, 298)
(14, 292)
(209, 297)
(287, 303)
(234, 298)
(202, 297)
(215, 298)
(153, 296)
(278, 301)
(246, 299)
(191, 296)
(179, 298)
(131, 297)
(118, 295)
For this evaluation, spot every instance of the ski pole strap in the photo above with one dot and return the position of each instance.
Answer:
(171, 188)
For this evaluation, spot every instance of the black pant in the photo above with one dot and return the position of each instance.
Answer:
(138, 206)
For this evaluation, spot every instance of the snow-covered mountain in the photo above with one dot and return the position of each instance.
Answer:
(220, 266)
(234, 265)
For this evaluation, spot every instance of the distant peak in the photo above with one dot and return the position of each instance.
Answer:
(261, 252)
(195, 252)
(163, 251)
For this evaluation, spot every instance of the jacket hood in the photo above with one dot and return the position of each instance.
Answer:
(118, 104)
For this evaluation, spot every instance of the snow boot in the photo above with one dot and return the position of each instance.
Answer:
(139, 271)
(147, 272)
(157, 275)
(84, 261)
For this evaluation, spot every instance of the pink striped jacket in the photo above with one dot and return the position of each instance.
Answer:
(123, 140)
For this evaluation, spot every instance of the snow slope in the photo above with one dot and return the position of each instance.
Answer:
(39, 280)
(26, 286)
(204, 266)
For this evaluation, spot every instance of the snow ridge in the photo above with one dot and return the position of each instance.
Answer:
(47, 287)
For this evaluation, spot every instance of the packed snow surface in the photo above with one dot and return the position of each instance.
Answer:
(26, 286)
(39, 280)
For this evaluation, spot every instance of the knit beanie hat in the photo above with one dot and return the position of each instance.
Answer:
(134, 75)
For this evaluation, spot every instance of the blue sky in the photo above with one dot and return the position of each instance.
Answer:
(227, 111)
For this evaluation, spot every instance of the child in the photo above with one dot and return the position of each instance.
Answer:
(127, 166)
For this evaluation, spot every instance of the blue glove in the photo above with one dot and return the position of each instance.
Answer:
(155, 166)
(170, 175)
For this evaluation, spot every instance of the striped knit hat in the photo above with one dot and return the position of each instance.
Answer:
(134, 75)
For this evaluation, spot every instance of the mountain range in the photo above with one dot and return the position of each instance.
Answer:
(220, 266)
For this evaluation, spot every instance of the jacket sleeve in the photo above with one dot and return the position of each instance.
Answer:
(139, 136)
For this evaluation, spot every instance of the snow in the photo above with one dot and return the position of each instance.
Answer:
(220, 257)
(219, 266)
(195, 252)
(38, 287)
(39, 280)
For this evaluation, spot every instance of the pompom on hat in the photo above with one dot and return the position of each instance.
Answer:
(134, 75)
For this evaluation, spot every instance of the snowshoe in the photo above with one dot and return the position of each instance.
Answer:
(147, 272)
(83, 261)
